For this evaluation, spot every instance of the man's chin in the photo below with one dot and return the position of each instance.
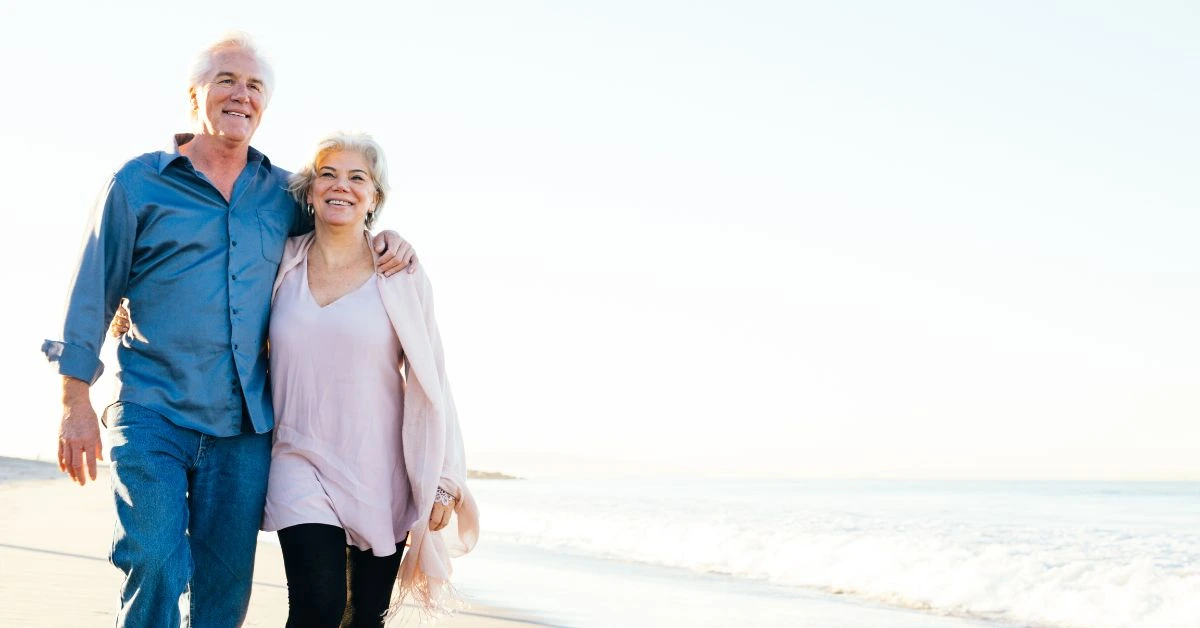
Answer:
(236, 136)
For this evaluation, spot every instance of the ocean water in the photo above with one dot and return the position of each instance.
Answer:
(839, 553)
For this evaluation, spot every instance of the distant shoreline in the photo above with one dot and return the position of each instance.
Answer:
(27, 469)
(475, 474)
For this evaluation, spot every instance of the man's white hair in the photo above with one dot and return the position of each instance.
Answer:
(202, 66)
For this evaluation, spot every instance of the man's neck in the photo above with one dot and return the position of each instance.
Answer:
(211, 154)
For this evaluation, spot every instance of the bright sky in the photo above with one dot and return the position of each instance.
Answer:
(921, 239)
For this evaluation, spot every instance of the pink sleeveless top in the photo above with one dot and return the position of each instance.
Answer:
(339, 395)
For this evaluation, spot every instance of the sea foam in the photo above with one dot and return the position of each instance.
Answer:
(1067, 554)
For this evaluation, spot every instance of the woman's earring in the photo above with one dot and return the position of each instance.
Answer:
(311, 211)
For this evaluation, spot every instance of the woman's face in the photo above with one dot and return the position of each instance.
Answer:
(343, 191)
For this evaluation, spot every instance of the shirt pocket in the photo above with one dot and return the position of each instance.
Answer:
(274, 223)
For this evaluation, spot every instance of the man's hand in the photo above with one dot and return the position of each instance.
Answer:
(394, 254)
(79, 434)
(120, 321)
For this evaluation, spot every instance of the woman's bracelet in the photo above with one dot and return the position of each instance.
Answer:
(444, 498)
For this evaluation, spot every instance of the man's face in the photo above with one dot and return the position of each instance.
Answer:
(230, 103)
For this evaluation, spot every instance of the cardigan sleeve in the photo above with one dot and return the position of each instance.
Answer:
(454, 467)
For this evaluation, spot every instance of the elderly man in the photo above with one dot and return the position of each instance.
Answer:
(193, 237)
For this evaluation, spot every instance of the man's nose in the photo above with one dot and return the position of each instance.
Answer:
(241, 92)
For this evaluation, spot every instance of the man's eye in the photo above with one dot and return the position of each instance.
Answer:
(256, 88)
(225, 81)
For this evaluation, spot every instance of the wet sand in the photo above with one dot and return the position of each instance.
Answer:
(54, 542)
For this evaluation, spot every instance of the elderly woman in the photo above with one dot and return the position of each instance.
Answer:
(367, 449)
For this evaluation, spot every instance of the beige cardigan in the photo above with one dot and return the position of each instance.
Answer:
(432, 442)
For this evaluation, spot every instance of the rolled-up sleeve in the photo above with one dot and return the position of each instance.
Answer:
(99, 283)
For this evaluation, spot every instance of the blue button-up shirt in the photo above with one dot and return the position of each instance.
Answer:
(197, 271)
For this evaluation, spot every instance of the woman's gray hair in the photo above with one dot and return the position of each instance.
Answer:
(300, 183)
(202, 65)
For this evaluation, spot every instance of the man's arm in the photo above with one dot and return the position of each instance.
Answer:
(100, 280)
(79, 433)
(302, 222)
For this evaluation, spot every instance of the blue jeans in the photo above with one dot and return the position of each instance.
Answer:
(189, 507)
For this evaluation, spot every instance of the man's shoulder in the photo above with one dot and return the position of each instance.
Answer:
(143, 165)
(283, 173)
(279, 177)
(271, 168)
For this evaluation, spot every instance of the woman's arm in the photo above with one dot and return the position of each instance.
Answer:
(452, 485)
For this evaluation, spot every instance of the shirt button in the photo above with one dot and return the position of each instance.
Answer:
(234, 310)
(235, 277)
(234, 243)
(235, 347)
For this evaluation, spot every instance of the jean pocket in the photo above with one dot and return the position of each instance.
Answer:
(121, 413)
(110, 411)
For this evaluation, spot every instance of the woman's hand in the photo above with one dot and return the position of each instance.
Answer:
(440, 517)
(443, 507)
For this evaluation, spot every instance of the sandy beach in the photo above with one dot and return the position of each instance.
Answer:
(54, 542)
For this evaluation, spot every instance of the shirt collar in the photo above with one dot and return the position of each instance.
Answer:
(167, 157)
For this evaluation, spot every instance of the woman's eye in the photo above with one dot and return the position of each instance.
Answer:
(359, 178)
(327, 175)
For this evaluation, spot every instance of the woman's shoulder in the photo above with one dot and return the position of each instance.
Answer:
(294, 250)
(417, 277)
(407, 284)
(296, 242)
(296, 246)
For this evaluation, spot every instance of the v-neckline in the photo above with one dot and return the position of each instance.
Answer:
(312, 297)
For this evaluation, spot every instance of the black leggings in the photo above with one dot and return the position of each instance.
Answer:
(331, 584)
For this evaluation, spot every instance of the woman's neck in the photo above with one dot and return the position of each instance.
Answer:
(340, 246)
